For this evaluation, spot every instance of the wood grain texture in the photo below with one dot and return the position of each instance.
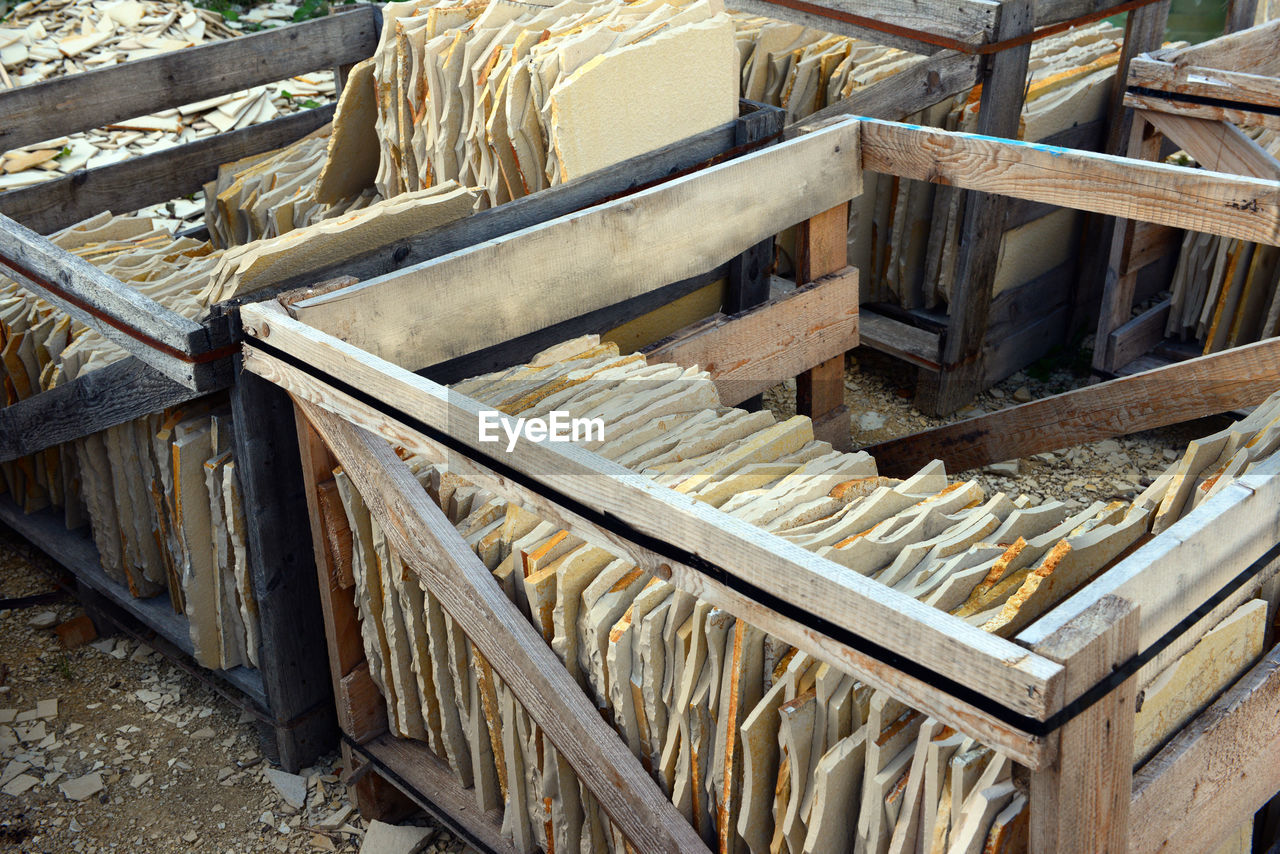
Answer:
(1235, 112)
(120, 392)
(1227, 205)
(921, 633)
(100, 97)
(822, 248)
(1215, 774)
(915, 692)
(577, 263)
(282, 571)
(141, 181)
(909, 343)
(1138, 336)
(21, 249)
(1208, 385)
(970, 21)
(1252, 50)
(466, 589)
(1241, 86)
(613, 182)
(434, 788)
(1217, 146)
(1080, 805)
(763, 346)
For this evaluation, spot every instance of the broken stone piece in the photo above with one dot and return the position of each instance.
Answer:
(383, 838)
(43, 620)
(82, 788)
(292, 787)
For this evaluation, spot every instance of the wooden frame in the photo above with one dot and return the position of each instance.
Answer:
(349, 402)
(1193, 98)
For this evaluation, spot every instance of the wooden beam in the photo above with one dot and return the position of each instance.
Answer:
(1242, 87)
(1138, 336)
(1195, 199)
(1001, 670)
(1217, 146)
(909, 343)
(1172, 575)
(1208, 385)
(754, 351)
(141, 181)
(1216, 773)
(445, 564)
(906, 93)
(822, 247)
(88, 295)
(971, 22)
(1252, 50)
(97, 98)
(795, 630)
(612, 182)
(580, 262)
(120, 392)
(1080, 805)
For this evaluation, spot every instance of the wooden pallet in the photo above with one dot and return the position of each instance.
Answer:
(1192, 98)
(1019, 696)
(174, 360)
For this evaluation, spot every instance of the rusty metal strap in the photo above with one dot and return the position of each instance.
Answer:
(956, 44)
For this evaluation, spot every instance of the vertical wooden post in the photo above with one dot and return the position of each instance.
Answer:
(1240, 15)
(822, 247)
(1080, 803)
(999, 111)
(282, 571)
(1144, 31)
(361, 710)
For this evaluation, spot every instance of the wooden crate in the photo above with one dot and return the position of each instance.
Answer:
(1058, 699)
(1193, 98)
(174, 360)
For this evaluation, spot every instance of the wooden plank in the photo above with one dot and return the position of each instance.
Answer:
(909, 343)
(1006, 353)
(120, 392)
(1180, 392)
(795, 630)
(822, 248)
(445, 564)
(375, 797)
(75, 552)
(1241, 87)
(982, 227)
(1080, 805)
(577, 263)
(1235, 112)
(66, 105)
(141, 181)
(282, 571)
(615, 181)
(1216, 773)
(1252, 49)
(1217, 146)
(1139, 335)
(754, 351)
(971, 22)
(362, 712)
(1149, 244)
(1195, 199)
(767, 562)
(906, 93)
(421, 775)
(1174, 574)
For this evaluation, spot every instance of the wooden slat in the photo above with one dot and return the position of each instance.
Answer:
(1139, 335)
(1172, 575)
(1215, 774)
(1080, 805)
(822, 247)
(972, 22)
(614, 181)
(1149, 244)
(31, 261)
(905, 93)
(1227, 205)
(1240, 86)
(100, 97)
(282, 571)
(1195, 388)
(1252, 50)
(754, 351)
(446, 566)
(1001, 670)
(1217, 146)
(568, 266)
(1026, 749)
(120, 392)
(909, 343)
(1235, 112)
(424, 777)
(141, 181)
